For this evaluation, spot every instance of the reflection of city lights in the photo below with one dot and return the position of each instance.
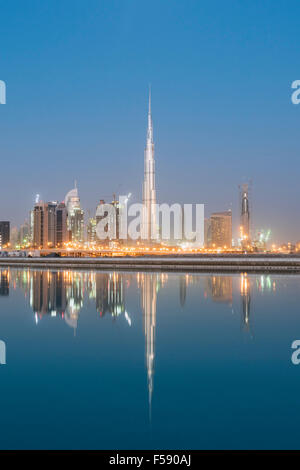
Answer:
(128, 319)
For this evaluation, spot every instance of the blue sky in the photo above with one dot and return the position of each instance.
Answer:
(77, 75)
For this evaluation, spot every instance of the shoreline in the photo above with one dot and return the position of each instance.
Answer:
(241, 263)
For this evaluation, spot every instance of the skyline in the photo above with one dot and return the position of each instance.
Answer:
(77, 97)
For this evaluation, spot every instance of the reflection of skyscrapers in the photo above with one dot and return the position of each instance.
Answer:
(220, 288)
(4, 282)
(116, 301)
(149, 285)
(245, 296)
(110, 295)
(48, 292)
(102, 280)
(221, 229)
(74, 295)
(182, 289)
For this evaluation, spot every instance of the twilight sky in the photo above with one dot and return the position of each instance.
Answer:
(77, 75)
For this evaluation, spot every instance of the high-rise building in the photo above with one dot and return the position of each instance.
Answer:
(221, 229)
(245, 215)
(4, 234)
(113, 221)
(91, 230)
(207, 233)
(75, 215)
(14, 237)
(24, 234)
(49, 225)
(116, 204)
(61, 231)
(149, 226)
(98, 219)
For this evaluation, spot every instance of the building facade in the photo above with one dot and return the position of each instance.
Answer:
(50, 225)
(221, 229)
(75, 216)
(149, 226)
(245, 215)
(4, 234)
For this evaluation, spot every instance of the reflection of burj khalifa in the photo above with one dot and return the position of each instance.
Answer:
(149, 284)
(245, 296)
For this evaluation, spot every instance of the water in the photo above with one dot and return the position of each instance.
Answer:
(111, 360)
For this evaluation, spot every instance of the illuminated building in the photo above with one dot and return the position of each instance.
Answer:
(114, 221)
(115, 203)
(24, 234)
(149, 228)
(4, 233)
(207, 232)
(221, 229)
(49, 224)
(91, 230)
(75, 215)
(61, 232)
(98, 219)
(261, 240)
(245, 216)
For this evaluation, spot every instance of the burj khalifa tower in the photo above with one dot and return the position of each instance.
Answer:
(149, 228)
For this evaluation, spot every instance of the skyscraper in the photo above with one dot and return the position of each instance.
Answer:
(75, 215)
(207, 232)
(91, 230)
(49, 224)
(149, 229)
(221, 229)
(99, 218)
(4, 234)
(245, 215)
(24, 234)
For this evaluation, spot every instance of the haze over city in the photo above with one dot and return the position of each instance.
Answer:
(77, 79)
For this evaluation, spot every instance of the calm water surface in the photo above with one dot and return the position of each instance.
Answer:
(112, 360)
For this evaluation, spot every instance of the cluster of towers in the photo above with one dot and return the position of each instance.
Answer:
(54, 224)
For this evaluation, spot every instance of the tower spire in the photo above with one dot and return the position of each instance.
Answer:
(150, 126)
